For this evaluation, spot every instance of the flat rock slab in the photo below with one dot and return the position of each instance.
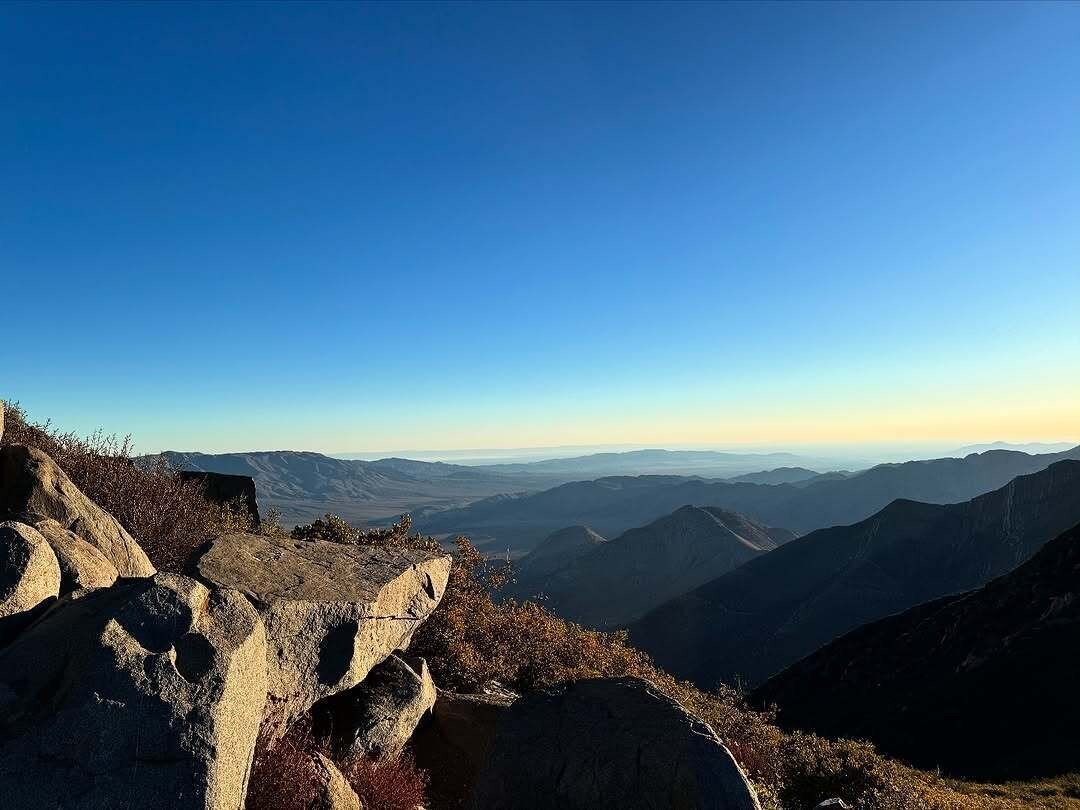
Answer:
(332, 611)
(145, 694)
(34, 488)
(615, 743)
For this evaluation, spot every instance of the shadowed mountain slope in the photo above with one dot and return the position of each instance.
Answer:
(982, 684)
(772, 611)
(556, 550)
(617, 581)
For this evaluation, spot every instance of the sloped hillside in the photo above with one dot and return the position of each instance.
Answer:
(618, 581)
(555, 551)
(770, 612)
(981, 684)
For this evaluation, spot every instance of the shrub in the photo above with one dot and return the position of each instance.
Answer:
(335, 529)
(168, 516)
(387, 784)
(283, 774)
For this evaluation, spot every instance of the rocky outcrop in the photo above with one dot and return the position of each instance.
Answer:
(29, 577)
(335, 792)
(148, 694)
(225, 489)
(377, 718)
(453, 742)
(608, 743)
(34, 488)
(81, 564)
(332, 611)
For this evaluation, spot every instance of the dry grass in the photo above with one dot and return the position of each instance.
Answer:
(168, 516)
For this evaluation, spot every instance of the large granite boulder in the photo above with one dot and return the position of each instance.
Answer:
(453, 742)
(29, 577)
(376, 718)
(332, 611)
(227, 490)
(34, 488)
(145, 694)
(615, 743)
(81, 564)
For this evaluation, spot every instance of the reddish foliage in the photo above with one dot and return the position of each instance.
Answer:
(390, 784)
(283, 774)
(168, 516)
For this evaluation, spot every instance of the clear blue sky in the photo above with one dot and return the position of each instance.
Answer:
(361, 227)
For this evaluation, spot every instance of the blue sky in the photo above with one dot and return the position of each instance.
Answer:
(365, 227)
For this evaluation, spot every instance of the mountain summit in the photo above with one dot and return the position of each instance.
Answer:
(624, 578)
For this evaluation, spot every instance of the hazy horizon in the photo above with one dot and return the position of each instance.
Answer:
(832, 455)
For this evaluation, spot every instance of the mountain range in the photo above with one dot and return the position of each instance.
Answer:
(768, 613)
(305, 485)
(612, 505)
(981, 684)
(605, 584)
(704, 463)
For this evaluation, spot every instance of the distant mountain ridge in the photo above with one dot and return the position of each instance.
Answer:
(1034, 448)
(614, 504)
(763, 616)
(611, 583)
(947, 682)
(780, 475)
(705, 463)
(305, 485)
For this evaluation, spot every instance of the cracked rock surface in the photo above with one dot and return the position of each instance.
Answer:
(615, 743)
(332, 611)
(145, 694)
